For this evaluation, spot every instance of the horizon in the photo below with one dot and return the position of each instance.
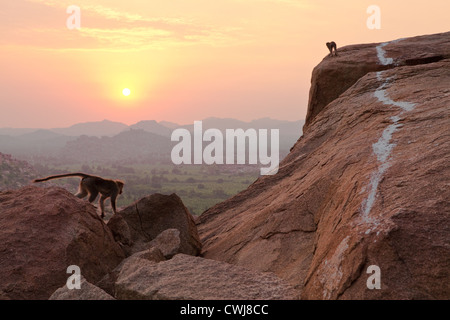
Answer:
(158, 122)
(180, 61)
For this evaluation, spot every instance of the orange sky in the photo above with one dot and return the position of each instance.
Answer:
(183, 60)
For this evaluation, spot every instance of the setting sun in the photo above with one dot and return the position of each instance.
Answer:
(126, 92)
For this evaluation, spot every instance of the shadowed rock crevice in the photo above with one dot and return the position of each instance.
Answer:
(144, 220)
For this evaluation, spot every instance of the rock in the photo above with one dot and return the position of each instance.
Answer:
(87, 291)
(185, 277)
(168, 242)
(107, 283)
(153, 254)
(366, 184)
(121, 231)
(43, 231)
(334, 75)
(150, 216)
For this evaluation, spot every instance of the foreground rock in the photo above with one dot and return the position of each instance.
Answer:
(185, 277)
(43, 231)
(168, 242)
(87, 291)
(367, 183)
(108, 282)
(143, 221)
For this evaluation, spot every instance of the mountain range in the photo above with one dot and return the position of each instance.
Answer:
(108, 140)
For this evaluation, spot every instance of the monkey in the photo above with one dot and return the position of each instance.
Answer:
(332, 45)
(93, 185)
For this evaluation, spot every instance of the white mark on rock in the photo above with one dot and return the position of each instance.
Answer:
(383, 148)
(383, 97)
(380, 53)
(331, 270)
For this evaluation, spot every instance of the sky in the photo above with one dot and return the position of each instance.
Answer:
(182, 60)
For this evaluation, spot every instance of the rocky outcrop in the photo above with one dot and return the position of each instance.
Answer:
(366, 184)
(43, 232)
(143, 221)
(185, 277)
(334, 75)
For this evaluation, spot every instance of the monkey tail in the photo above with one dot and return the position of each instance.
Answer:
(76, 174)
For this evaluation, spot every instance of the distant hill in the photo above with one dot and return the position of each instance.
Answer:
(285, 127)
(97, 129)
(153, 127)
(40, 135)
(170, 125)
(289, 131)
(109, 141)
(39, 142)
(16, 131)
(133, 144)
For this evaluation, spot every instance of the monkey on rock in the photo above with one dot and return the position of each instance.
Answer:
(332, 47)
(93, 185)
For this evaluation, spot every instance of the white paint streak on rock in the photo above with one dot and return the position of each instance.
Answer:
(381, 55)
(383, 147)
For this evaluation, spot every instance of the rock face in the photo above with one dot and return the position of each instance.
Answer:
(367, 183)
(43, 231)
(141, 222)
(355, 61)
(185, 277)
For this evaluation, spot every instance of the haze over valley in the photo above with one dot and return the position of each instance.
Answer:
(139, 154)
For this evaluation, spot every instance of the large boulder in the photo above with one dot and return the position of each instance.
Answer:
(42, 233)
(138, 224)
(367, 184)
(185, 277)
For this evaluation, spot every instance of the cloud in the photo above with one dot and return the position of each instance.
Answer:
(105, 28)
(293, 3)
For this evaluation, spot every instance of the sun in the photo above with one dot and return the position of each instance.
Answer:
(126, 92)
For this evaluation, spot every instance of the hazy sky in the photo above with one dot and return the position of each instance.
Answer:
(183, 60)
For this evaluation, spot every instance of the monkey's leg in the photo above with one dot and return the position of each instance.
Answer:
(92, 196)
(113, 203)
(81, 193)
(101, 203)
